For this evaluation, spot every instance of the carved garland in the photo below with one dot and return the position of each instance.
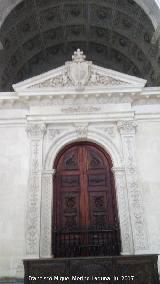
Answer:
(35, 133)
(46, 217)
(123, 210)
(127, 130)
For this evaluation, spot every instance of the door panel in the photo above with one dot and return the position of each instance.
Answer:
(98, 208)
(84, 194)
(70, 207)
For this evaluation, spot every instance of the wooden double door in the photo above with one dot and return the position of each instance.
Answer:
(84, 195)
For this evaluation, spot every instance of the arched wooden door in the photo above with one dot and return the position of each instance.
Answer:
(85, 216)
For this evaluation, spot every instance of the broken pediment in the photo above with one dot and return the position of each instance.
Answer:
(79, 74)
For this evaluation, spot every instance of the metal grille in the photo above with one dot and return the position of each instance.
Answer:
(90, 241)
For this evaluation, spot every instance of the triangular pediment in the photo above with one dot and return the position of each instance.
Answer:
(79, 74)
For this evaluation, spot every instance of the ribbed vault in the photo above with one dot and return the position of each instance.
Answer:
(40, 35)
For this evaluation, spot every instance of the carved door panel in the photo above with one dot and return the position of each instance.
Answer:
(68, 188)
(84, 200)
(99, 186)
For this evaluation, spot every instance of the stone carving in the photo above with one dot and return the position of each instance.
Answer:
(81, 109)
(127, 130)
(79, 70)
(32, 232)
(110, 131)
(35, 167)
(123, 208)
(46, 218)
(81, 130)
(100, 80)
(79, 73)
(36, 133)
(127, 127)
(36, 130)
(58, 81)
(52, 133)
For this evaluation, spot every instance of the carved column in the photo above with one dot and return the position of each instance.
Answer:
(36, 133)
(127, 130)
(46, 213)
(123, 211)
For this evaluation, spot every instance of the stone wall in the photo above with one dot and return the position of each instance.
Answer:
(48, 112)
(14, 175)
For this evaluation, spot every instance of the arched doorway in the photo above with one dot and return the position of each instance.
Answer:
(85, 219)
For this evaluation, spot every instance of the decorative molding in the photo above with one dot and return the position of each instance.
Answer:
(35, 163)
(80, 73)
(95, 97)
(109, 130)
(36, 133)
(33, 221)
(80, 108)
(46, 210)
(123, 210)
(36, 130)
(70, 137)
(118, 170)
(120, 181)
(58, 81)
(127, 127)
(52, 133)
(140, 237)
(81, 130)
(49, 172)
(46, 214)
(101, 80)
(79, 70)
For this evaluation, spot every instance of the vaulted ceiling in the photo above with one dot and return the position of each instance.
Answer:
(40, 35)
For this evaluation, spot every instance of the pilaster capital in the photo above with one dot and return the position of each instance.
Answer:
(36, 130)
(127, 127)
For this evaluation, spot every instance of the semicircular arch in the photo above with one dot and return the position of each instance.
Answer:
(38, 37)
(93, 136)
(151, 8)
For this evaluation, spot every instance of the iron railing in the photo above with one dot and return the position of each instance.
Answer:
(88, 241)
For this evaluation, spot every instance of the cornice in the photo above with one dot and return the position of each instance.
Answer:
(91, 96)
